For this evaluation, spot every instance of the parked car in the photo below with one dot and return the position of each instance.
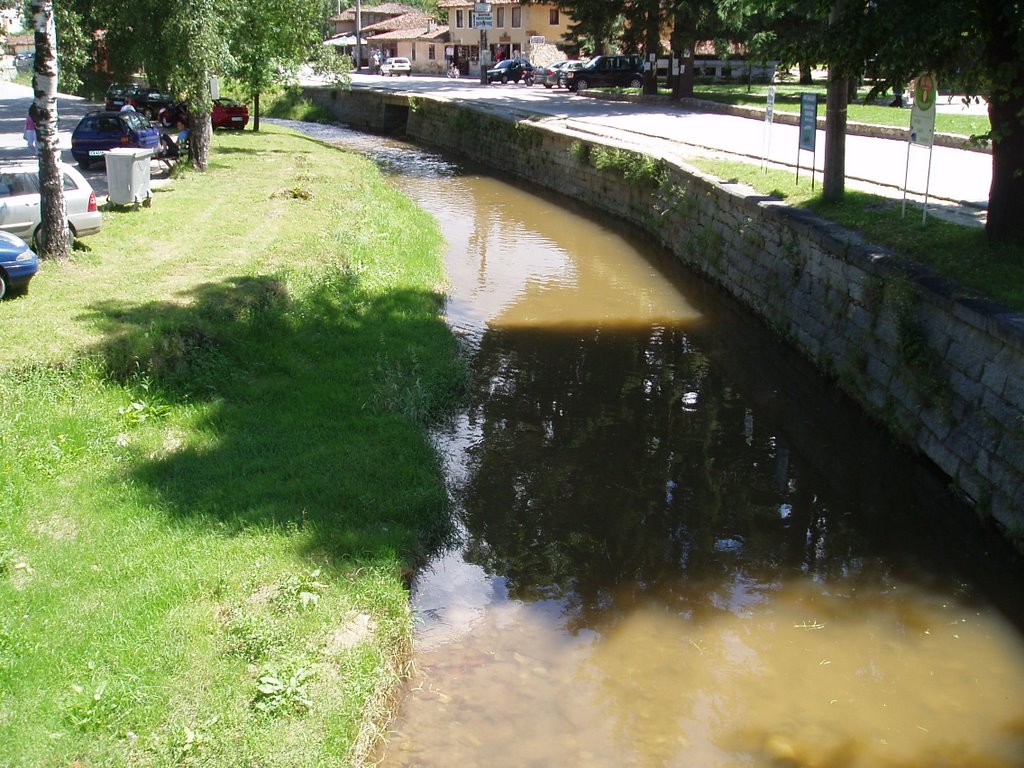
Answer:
(228, 113)
(554, 74)
(149, 100)
(620, 71)
(18, 264)
(20, 209)
(118, 94)
(24, 61)
(143, 98)
(99, 131)
(396, 65)
(511, 69)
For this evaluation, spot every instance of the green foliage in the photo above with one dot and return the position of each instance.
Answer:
(638, 170)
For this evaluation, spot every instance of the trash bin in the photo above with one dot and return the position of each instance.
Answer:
(128, 175)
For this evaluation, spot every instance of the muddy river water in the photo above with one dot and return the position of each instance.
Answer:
(680, 546)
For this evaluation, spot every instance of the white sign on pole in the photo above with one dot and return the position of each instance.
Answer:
(483, 21)
(766, 139)
(922, 132)
(922, 115)
(482, 8)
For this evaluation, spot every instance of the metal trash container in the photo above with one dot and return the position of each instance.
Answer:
(128, 175)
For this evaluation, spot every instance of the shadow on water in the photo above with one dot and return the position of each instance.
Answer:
(306, 432)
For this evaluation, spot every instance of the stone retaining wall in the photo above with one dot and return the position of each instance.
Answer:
(944, 374)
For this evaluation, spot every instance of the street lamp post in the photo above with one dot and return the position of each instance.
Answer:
(359, 35)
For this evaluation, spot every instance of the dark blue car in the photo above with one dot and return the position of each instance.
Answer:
(99, 131)
(18, 264)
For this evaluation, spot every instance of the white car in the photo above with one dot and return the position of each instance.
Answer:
(19, 201)
(397, 65)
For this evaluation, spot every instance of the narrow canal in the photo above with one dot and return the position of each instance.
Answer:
(680, 546)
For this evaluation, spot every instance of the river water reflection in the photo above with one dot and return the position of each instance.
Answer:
(680, 546)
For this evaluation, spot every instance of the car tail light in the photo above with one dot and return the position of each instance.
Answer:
(92, 202)
(126, 140)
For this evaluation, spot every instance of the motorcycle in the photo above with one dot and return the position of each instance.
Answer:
(453, 72)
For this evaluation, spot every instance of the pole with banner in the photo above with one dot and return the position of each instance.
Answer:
(808, 131)
(483, 20)
(766, 140)
(922, 132)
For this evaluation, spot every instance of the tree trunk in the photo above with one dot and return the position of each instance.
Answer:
(805, 73)
(199, 132)
(836, 99)
(652, 45)
(54, 237)
(835, 139)
(256, 111)
(1006, 195)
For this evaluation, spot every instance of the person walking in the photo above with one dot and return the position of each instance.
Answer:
(30, 133)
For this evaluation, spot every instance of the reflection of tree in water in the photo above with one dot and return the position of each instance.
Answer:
(634, 460)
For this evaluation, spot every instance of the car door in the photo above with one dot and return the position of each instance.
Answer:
(19, 203)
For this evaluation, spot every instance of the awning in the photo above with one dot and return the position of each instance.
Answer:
(343, 41)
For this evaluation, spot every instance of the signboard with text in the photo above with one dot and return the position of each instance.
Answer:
(922, 115)
(483, 20)
(808, 120)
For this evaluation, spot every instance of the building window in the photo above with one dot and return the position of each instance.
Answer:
(458, 19)
(431, 53)
(499, 20)
(517, 17)
(553, 17)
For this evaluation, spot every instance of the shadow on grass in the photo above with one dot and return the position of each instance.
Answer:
(308, 414)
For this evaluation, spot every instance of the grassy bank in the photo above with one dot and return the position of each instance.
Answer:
(962, 253)
(214, 466)
(787, 99)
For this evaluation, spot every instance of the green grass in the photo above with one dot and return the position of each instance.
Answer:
(961, 253)
(290, 104)
(787, 99)
(215, 467)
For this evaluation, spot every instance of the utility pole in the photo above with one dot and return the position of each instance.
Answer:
(359, 35)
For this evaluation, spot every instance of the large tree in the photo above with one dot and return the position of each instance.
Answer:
(270, 39)
(54, 238)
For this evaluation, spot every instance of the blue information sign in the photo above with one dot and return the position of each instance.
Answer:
(808, 120)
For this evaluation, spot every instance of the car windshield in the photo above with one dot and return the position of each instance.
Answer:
(135, 120)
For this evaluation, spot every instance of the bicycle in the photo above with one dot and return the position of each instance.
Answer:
(453, 72)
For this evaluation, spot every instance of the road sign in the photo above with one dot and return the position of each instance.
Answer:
(482, 8)
(483, 21)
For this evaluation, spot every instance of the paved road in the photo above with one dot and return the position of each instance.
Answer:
(14, 103)
(959, 181)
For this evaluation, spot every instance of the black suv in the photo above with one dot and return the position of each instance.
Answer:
(623, 71)
(143, 98)
(511, 69)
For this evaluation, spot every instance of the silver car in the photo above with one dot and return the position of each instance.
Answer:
(554, 74)
(20, 208)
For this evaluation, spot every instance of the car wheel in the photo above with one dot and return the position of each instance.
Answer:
(636, 82)
(84, 164)
(548, 86)
(582, 85)
(504, 79)
(3, 284)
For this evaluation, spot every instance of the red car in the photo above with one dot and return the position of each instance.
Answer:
(228, 113)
